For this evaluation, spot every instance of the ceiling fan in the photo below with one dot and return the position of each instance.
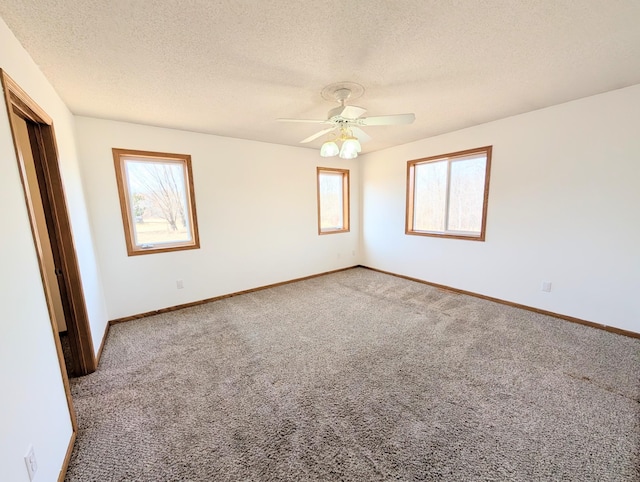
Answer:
(345, 121)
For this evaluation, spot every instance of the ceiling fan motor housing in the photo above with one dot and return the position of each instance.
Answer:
(347, 119)
(342, 94)
(336, 113)
(345, 114)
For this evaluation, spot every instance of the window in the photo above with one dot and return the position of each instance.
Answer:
(156, 200)
(333, 200)
(447, 195)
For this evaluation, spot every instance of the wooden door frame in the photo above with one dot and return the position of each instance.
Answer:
(45, 154)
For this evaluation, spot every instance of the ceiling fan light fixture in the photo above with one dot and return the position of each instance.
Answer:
(329, 149)
(353, 143)
(347, 119)
(350, 149)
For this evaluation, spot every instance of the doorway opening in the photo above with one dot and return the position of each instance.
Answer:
(37, 156)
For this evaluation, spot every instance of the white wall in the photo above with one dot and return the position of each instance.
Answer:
(563, 206)
(257, 216)
(34, 408)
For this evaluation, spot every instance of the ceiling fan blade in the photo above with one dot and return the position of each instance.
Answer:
(346, 112)
(387, 120)
(352, 111)
(316, 135)
(360, 134)
(309, 121)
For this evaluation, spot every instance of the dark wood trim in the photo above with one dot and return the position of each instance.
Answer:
(63, 247)
(45, 154)
(102, 343)
(21, 101)
(67, 458)
(119, 156)
(409, 211)
(222, 297)
(572, 319)
(346, 199)
(65, 380)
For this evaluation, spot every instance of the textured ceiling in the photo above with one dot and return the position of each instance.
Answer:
(232, 67)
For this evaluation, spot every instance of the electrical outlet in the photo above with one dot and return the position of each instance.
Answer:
(31, 463)
(546, 286)
(179, 284)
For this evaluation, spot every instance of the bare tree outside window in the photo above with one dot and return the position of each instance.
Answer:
(156, 194)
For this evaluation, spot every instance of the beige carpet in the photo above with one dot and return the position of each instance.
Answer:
(359, 376)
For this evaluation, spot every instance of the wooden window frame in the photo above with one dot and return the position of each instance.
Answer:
(119, 157)
(409, 229)
(345, 200)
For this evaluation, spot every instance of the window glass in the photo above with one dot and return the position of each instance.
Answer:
(430, 196)
(333, 200)
(466, 195)
(447, 195)
(156, 197)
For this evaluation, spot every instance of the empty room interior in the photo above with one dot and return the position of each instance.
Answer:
(327, 240)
